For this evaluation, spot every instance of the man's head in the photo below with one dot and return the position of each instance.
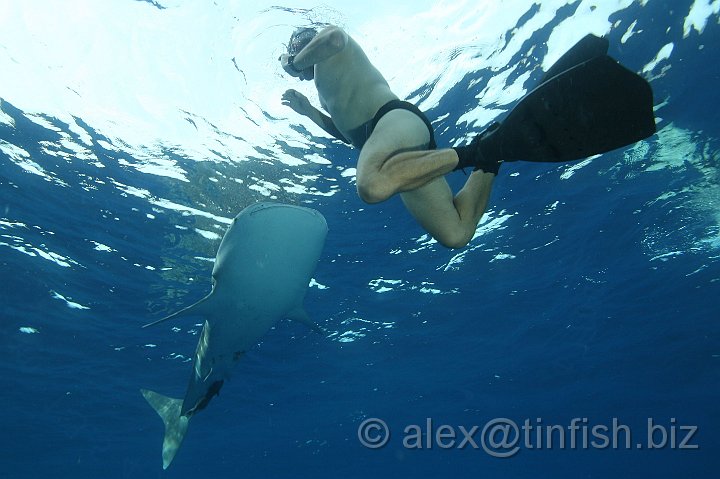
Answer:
(299, 39)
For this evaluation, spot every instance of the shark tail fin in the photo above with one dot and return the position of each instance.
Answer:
(175, 424)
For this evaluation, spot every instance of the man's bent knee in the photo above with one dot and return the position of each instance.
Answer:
(454, 238)
(373, 190)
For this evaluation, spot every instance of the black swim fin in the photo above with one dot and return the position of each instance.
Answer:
(586, 49)
(581, 109)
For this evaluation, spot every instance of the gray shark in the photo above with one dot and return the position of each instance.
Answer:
(262, 271)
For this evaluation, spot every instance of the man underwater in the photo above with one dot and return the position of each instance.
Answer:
(570, 116)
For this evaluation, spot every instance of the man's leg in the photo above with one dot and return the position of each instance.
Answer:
(451, 221)
(394, 158)
(389, 164)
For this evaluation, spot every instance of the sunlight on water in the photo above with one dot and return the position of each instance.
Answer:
(156, 101)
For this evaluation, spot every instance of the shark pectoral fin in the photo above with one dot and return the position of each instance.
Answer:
(301, 316)
(175, 424)
(200, 308)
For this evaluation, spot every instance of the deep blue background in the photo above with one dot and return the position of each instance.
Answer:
(587, 320)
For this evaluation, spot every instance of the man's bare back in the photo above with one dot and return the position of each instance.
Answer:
(350, 88)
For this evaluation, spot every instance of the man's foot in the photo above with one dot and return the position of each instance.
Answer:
(472, 155)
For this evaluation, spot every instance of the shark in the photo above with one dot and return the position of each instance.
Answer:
(261, 274)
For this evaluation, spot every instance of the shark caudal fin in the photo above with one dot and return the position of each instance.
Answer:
(175, 424)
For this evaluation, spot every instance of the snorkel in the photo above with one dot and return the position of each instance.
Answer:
(299, 40)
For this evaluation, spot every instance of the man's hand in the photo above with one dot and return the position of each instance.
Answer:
(297, 101)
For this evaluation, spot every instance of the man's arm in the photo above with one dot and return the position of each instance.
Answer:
(299, 102)
(328, 42)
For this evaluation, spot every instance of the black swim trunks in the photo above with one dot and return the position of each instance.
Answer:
(360, 135)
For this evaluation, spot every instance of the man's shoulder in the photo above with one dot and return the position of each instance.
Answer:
(330, 26)
(338, 34)
(346, 44)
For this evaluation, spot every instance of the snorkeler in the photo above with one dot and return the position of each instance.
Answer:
(586, 104)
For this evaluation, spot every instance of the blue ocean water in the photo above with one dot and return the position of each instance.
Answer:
(588, 297)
